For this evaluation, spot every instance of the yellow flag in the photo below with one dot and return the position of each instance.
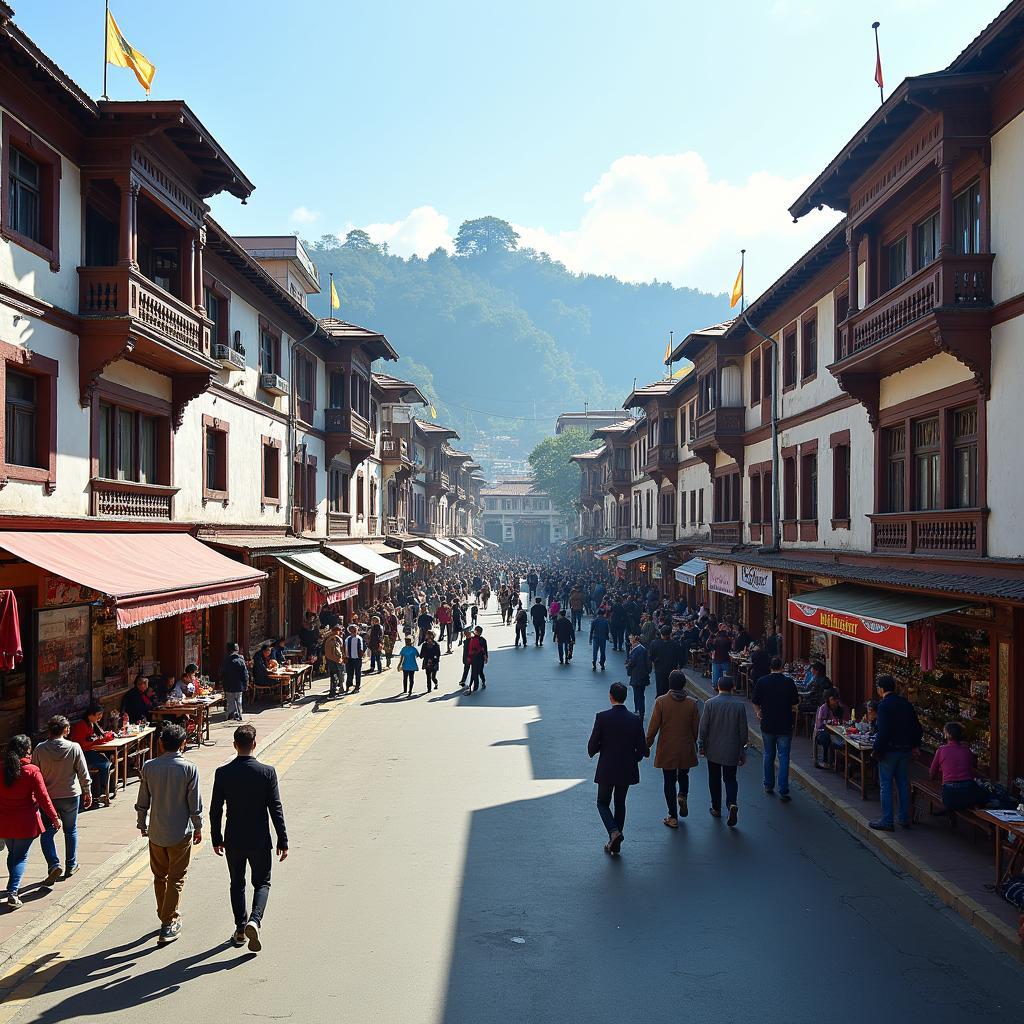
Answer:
(122, 54)
(737, 289)
(668, 353)
(335, 301)
(433, 413)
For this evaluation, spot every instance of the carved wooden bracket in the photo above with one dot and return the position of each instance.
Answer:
(185, 387)
(969, 346)
(95, 354)
(864, 388)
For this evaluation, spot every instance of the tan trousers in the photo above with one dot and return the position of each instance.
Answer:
(169, 865)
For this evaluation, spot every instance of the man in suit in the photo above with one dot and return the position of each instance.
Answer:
(619, 738)
(722, 739)
(666, 656)
(249, 788)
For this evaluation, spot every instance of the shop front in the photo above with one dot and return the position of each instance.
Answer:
(446, 551)
(722, 591)
(636, 566)
(691, 582)
(381, 573)
(327, 583)
(417, 562)
(757, 598)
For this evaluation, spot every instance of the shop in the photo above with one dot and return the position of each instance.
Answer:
(381, 573)
(326, 583)
(691, 582)
(722, 592)
(444, 549)
(757, 598)
(637, 566)
(417, 562)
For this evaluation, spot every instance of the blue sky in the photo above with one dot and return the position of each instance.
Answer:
(648, 139)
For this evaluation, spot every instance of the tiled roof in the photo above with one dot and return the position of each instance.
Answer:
(510, 489)
(399, 388)
(595, 454)
(434, 428)
(342, 330)
(615, 428)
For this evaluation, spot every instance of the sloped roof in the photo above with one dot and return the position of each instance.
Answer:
(396, 388)
(435, 430)
(374, 341)
(595, 454)
(615, 428)
(512, 488)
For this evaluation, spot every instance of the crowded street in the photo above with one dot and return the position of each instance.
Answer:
(446, 865)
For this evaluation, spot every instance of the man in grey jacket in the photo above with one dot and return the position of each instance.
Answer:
(722, 739)
(66, 775)
(171, 813)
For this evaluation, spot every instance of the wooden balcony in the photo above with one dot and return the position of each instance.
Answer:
(618, 480)
(726, 533)
(945, 307)
(372, 525)
(124, 499)
(347, 431)
(662, 462)
(719, 430)
(437, 481)
(954, 532)
(395, 450)
(339, 524)
(666, 533)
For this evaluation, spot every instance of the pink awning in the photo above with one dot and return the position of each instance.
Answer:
(147, 575)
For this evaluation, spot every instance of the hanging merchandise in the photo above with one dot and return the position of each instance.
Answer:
(10, 632)
(313, 597)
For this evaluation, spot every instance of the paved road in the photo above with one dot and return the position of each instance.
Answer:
(447, 866)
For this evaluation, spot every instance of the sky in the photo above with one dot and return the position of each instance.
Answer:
(651, 140)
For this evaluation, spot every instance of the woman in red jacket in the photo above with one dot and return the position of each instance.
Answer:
(22, 796)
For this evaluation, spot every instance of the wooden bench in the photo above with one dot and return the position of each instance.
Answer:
(931, 792)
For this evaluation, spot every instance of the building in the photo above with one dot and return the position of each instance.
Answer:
(517, 515)
(588, 421)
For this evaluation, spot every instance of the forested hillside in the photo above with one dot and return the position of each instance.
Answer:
(510, 336)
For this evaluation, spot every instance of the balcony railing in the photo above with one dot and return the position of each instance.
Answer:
(346, 421)
(371, 525)
(666, 533)
(394, 449)
(725, 533)
(955, 532)
(339, 524)
(662, 457)
(123, 499)
(438, 478)
(727, 421)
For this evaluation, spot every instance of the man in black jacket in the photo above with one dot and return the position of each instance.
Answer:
(250, 791)
(234, 678)
(666, 655)
(539, 614)
(898, 734)
(565, 637)
(619, 738)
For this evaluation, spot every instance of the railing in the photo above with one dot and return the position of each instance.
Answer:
(438, 477)
(666, 533)
(371, 525)
(662, 457)
(346, 421)
(394, 524)
(955, 532)
(303, 520)
(725, 533)
(394, 449)
(727, 420)
(339, 524)
(618, 476)
(123, 499)
(119, 292)
(948, 283)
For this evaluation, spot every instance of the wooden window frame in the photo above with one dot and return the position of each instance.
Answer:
(789, 346)
(212, 423)
(809, 319)
(108, 393)
(789, 464)
(841, 482)
(266, 327)
(755, 378)
(840, 295)
(269, 444)
(223, 296)
(44, 369)
(17, 135)
(808, 523)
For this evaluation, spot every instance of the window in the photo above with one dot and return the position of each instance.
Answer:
(24, 201)
(270, 348)
(789, 359)
(809, 486)
(767, 362)
(21, 420)
(755, 498)
(896, 262)
(217, 302)
(649, 504)
(789, 487)
(967, 220)
(271, 471)
(215, 459)
(841, 483)
(926, 241)
(693, 507)
(305, 385)
(667, 512)
(809, 337)
(842, 312)
(31, 194)
(700, 506)
(965, 457)
(360, 499)
(767, 512)
(336, 389)
(927, 494)
(727, 498)
(895, 476)
(682, 508)
(337, 491)
(755, 379)
(127, 444)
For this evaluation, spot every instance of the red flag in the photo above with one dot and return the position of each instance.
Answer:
(878, 64)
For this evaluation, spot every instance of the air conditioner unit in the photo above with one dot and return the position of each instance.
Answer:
(227, 356)
(273, 384)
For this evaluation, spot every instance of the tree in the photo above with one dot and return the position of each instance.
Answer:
(359, 240)
(557, 476)
(485, 236)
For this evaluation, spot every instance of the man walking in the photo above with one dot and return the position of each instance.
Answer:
(478, 657)
(618, 737)
(250, 790)
(170, 811)
(353, 658)
(539, 615)
(334, 652)
(599, 633)
(63, 767)
(638, 665)
(234, 679)
(898, 734)
(522, 619)
(722, 739)
(720, 646)
(565, 637)
(467, 661)
(666, 657)
(776, 698)
(576, 602)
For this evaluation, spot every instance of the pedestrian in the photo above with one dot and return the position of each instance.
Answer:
(249, 789)
(87, 733)
(565, 637)
(540, 617)
(638, 665)
(675, 722)
(522, 620)
(531, 582)
(479, 657)
(775, 699)
(474, 611)
(430, 652)
(234, 680)
(618, 737)
(407, 664)
(722, 739)
(619, 622)
(720, 646)
(898, 734)
(444, 622)
(467, 661)
(66, 776)
(599, 633)
(24, 803)
(334, 652)
(354, 647)
(666, 656)
(375, 643)
(576, 602)
(170, 811)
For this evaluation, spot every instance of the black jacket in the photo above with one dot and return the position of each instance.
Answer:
(666, 655)
(897, 727)
(234, 676)
(539, 614)
(563, 630)
(249, 788)
(619, 738)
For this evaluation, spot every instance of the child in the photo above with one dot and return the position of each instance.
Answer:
(407, 663)
(954, 763)
(388, 643)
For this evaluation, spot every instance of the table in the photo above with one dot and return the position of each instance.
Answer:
(741, 673)
(1012, 829)
(292, 677)
(856, 749)
(199, 707)
(123, 747)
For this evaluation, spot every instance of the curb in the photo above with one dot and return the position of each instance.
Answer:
(879, 843)
(58, 909)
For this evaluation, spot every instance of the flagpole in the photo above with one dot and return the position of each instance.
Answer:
(106, 43)
(743, 280)
(878, 61)
(330, 297)
(670, 350)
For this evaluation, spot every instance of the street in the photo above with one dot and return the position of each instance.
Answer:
(446, 865)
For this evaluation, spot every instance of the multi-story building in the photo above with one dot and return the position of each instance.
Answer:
(517, 514)
(588, 421)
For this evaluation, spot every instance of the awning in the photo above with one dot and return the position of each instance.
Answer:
(461, 542)
(260, 543)
(423, 556)
(487, 543)
(382, 569)
(613, 549)
(442, 548)
(475, 543)
(147, 575)
(689, 571)
(636, 556)
(339, 583)
(877, 618)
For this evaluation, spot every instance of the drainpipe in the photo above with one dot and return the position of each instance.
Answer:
(774, 546)
(293, 346)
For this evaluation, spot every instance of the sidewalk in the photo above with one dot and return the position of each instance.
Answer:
(108, 837)
(946, 862)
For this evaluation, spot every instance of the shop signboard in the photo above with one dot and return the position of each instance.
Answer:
(750, 577)
(656, 571)
(722, 579)
(887, 636)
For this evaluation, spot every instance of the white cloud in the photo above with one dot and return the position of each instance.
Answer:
(303, 215)
(421, 232)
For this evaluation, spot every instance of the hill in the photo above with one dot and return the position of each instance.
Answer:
(504, 339)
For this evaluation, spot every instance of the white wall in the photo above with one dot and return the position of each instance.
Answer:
(1005, 485)
(933, 374)
(1007, 205)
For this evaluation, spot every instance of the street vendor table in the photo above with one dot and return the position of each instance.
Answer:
(1008, 835)
(740, 664)
(289, 680)
(857, 750)
(121, 748)
(199, 708)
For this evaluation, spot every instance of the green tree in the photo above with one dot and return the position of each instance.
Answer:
(359, 240)
(485, 236)
(557, 476)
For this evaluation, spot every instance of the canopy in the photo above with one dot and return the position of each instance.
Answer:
(381, 568)
(442, 547)
(689, 571)
(486, 542)
(475, 543)
(877, 618)
(147, 575)
(613, 549)
(423, 556)
(636, 556)
(339, 583)
(461, 542)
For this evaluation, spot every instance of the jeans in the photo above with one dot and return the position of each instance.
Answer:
(718, 669)
(959, 796)
(639, 701)
(17, 858)
(717, 772)
(776, 743)
(375, 661)
(67, 811)
(894, 766)
(258, 862)
(617, 821)
(564, 650)
(408, 679)
(353, 672)
(477, 673)
(675, 777)
(94, 759)
(538, 631)
(618, 637)
(521, 635)
(598, 648)
(577, 620)
(169, 865)
(233, 705)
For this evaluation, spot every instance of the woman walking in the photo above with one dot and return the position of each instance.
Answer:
(430, 652)
(676, 718)
(23, 802)
(478, 657)
(407, 663)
